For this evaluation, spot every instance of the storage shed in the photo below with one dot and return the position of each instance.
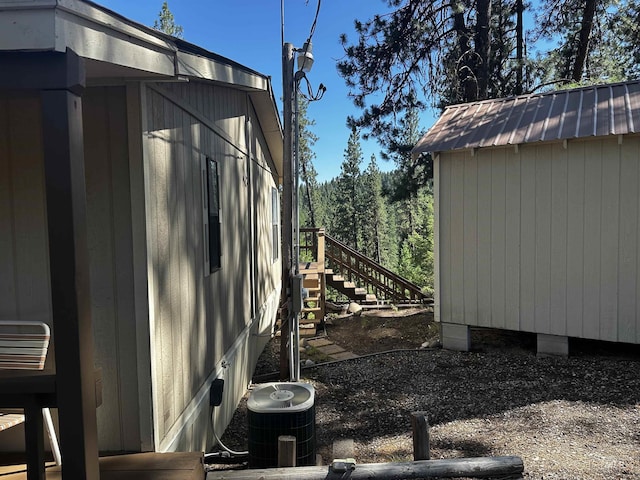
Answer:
(139, 217)
(537, 216)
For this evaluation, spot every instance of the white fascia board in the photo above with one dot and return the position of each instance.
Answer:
(27, 26)
(26, 4)
(111, 47)
(267, 112)
(204, 68)
(92, 33)
(95, 34)
(106, 21)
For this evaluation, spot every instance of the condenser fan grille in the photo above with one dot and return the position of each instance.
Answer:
(276, 409)
(277, 397)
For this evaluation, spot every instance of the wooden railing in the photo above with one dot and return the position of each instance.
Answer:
(357, 268)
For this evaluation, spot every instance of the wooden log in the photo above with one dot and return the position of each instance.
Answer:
(481, 467)
(420, 428)
(286, 451)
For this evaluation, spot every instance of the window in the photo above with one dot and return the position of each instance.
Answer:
(211, 215)
(275, 225)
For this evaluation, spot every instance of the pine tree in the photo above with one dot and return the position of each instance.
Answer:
(308, 174)
(345, 223)
(592, 47)
(166, 23)
(374, 229)
(431, 50)
(416, 251)
(622, 41)
(414, 172)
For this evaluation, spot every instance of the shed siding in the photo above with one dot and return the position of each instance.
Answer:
(498, 239)
(469, 236)
(629, 243)
(558, 248)
(512, 241)
(484, 197)
(575, 238)
(457, 234)
(549, 238)
(445, 217)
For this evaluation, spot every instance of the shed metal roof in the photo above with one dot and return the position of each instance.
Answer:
(581, 112)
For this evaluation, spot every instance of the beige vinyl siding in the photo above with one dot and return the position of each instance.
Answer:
(24, 262)
(177, 271)
(197, 319)
(542, 238)
(196, 322)
(268, 271)
(111, 264)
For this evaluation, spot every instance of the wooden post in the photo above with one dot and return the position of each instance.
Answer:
(287, 206)
(420, 428)
(321, 268)
(62, 138)
(286, 451)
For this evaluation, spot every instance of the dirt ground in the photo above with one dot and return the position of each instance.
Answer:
(567, 418)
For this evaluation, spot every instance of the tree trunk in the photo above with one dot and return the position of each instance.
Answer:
(305, 179)
(519, 48)
(583, 41)
(483, 47)
(465, 71)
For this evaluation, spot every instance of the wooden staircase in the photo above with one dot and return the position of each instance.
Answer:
(373, 278)
(349, 288)
(349, 272)
(313, 310)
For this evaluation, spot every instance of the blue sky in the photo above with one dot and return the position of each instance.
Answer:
(249, 32)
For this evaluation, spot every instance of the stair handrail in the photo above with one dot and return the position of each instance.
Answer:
(414, 289)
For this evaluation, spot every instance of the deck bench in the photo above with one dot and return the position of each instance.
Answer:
(24, 384)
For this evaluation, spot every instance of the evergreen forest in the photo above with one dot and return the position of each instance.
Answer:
(422, 54)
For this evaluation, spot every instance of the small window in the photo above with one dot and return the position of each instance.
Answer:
(275, 225)
(211, 215)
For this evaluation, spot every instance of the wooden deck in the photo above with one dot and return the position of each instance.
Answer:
(137, 466)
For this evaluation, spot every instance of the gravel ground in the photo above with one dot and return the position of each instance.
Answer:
(568, 418)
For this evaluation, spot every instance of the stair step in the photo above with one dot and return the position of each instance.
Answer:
(337, 278)
(310, 321)
(371, 298)
(311, 309)
(349, 285)
(308, 330)
(311, 280)
(361, 291)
